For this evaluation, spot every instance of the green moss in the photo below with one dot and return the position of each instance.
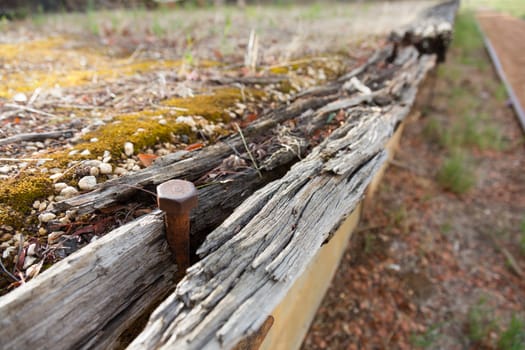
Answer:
(332, 65)
(20, 193)
(210, 106)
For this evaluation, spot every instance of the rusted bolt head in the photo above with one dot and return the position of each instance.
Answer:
(176, 196)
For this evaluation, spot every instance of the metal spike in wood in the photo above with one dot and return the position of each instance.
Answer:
(176, 198)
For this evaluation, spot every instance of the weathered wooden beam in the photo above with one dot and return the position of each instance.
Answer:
(79, 300)
(253, 258)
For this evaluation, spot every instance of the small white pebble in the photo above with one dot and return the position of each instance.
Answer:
(105, 168)
(85, 152)
(91, 163)
(42, 231)
(56, 176)
(93, 140)
(31, 250)
(94, 171)
(20, 98)
(33, 270)
(87, 183)
(46, 217)
(43, 206)
(163, 122)
(59, 186)
(106, 159)
(8, 252)
(29, 260)
(72, 153)
(5, 169)
(36, 204)
(64, 220)
(120, 171)
(128, 149)
(68, 192)
(54, 236)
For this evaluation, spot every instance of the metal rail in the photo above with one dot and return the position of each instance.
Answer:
(501, 73)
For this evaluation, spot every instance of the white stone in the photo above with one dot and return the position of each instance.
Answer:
(46, 217)
(105, 168)
(59, 186)
(8, 252)
(65, 220)
(128, 149)
(31, 250)
(33, 270)
(72, 153)
(94, 171)
(54, 236)
(92, 163)
(36, 204)
(68, 192)
(5, 169)
(85, 152)
(106, 159)
(42, 206)
(20, 98)
(120, 171)
(56, 176)
(93, 140)
(29, 260)
(87, 183)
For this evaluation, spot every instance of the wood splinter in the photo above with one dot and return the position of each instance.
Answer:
(176, 198)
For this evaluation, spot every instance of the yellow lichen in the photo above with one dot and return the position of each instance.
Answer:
(56, 62)
(20, 193)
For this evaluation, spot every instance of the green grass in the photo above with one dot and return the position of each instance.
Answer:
(480, 322)
(473, 131)
(500, 93)
(426, 339)
(513, 338)
(469, 41)
(456, 174)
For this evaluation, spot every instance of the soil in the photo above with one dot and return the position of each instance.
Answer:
(502, 30)
(429, 268)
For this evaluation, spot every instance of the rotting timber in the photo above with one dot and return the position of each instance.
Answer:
(252, 259)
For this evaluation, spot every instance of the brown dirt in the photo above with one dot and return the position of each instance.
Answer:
(503, 32)
(428, 268)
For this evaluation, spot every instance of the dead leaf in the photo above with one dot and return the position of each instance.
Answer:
(147, 159)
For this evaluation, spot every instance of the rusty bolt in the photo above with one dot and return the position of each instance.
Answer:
(177, 198)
